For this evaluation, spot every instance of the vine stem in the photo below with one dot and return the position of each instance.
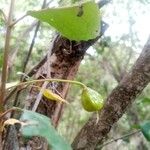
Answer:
(5, 58)
(10, 110)
(50, 80)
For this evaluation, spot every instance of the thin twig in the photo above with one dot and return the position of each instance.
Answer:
(33, 41)
(22, 36)
(21, 84)
(5, 59)
(38, 99)
(31, 47)
(36, 68)
(10, 95)
(101, 3)
(15, 22)
(30, 74)
(49, 3)
(9, 110)
(28, 56)
(5, 62)
(120, 138)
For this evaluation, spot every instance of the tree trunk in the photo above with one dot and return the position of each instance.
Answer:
(64, 60)
(116, 104)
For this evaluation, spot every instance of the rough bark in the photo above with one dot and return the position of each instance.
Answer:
(64, 62)
(13, 140)
(116, 104)
(131, 112)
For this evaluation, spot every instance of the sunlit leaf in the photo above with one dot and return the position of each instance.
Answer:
(145, 128)
(91, 100)
(80, 22)
(40, 125)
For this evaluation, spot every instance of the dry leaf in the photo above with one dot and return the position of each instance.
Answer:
(52, 96)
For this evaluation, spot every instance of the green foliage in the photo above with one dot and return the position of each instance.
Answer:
(91, 100)
(77, 23)
(95, 70)
(145, 128)
(146, 100)
(40, 125)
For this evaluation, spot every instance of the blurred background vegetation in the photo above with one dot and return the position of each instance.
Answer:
(103, 67)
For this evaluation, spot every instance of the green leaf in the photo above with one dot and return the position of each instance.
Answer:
(91, 100)
(135, 126)
(40, 125)
(145, 128)
(146, 100)
(79, 22)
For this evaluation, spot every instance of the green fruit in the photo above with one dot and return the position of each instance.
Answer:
(91, 100)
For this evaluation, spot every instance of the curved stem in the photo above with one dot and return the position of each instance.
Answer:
(50, 80)
(10, 110)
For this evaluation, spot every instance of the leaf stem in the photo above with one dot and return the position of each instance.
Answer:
(10, 110)
(50, 80)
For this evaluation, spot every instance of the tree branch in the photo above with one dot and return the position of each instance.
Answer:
(5, 59)
(28, 56)
(119, 138)
(101, 3)
(5, 62)
(116, 104)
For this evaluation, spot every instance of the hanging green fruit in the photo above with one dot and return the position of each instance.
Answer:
(91, 100)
